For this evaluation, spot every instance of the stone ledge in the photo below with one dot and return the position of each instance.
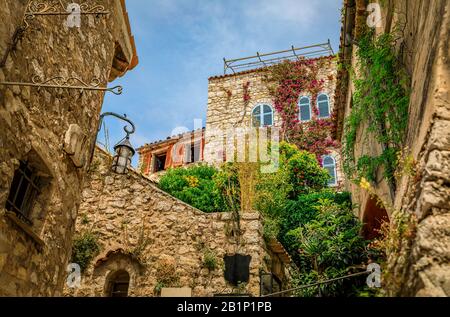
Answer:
(26, 228)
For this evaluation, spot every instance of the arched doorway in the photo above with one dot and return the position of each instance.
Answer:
(117, 284)
(374, 216)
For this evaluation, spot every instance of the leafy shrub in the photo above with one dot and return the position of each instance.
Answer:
(303, 171)
(227, 183)
(328, 245)
(305, 208)
(85, 248)
(272, 192)
(298, 176)
(209, 260)
(271, 228)
(194, 185)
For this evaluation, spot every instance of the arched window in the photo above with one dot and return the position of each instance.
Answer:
(329, 164)
(305, 109)
(262, 116)
(324, 106)
(118, 283)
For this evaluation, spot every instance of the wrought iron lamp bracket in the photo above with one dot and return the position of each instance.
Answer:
(66, 83)
(124, 118)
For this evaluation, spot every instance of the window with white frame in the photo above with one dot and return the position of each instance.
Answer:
(262, 116)
(329, 163)
(305, 109)
(324, 106)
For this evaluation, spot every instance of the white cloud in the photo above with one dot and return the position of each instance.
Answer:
(295, 12)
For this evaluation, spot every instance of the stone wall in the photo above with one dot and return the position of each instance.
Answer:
(33, 126)
(141, 228)
(423, 269)
(227, 109)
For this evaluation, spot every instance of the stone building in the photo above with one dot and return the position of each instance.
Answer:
(176, 151)
(47, 135)
(151, 242)
(240, 101)
(423, 267)
(228, 112)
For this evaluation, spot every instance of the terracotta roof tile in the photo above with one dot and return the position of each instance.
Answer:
(167, 140)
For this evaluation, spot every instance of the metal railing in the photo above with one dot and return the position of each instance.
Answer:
(317, 284)
(268, 59)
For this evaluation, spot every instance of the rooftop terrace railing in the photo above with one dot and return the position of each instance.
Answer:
(268, 59)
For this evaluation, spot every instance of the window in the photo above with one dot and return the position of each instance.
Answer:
(305, 109)
(160, 162)
(262, 116)
(119, 284)
(330, 165)
(195, 152)
(25, 187)
(323, 105)
(192, 152)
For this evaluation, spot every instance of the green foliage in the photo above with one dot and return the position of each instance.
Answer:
(271, 228)
(298, 173)
(303, 210)
(380, 107)
(84, 219)
(195, 186)
(85, 248)
(158, 288)
(227, 183)
(210, 260)
(272, 192)
(304, 173)
(328, 246)
(315, 224)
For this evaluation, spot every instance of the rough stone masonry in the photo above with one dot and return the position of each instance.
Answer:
(422, 267)
(160, 241)
(34, 124)
(227, 110)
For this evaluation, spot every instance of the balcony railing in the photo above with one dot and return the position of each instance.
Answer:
(268, 59)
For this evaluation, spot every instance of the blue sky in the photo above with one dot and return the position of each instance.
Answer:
(181, 43)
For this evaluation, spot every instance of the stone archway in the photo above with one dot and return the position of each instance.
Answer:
(373, 217)
(117, 274)
(117, 284)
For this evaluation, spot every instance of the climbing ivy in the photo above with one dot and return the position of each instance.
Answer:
(380, 107)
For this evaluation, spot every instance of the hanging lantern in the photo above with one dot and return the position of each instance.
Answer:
(124, 150)
(122, 160)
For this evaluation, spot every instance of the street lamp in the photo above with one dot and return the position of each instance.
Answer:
(124, 150)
